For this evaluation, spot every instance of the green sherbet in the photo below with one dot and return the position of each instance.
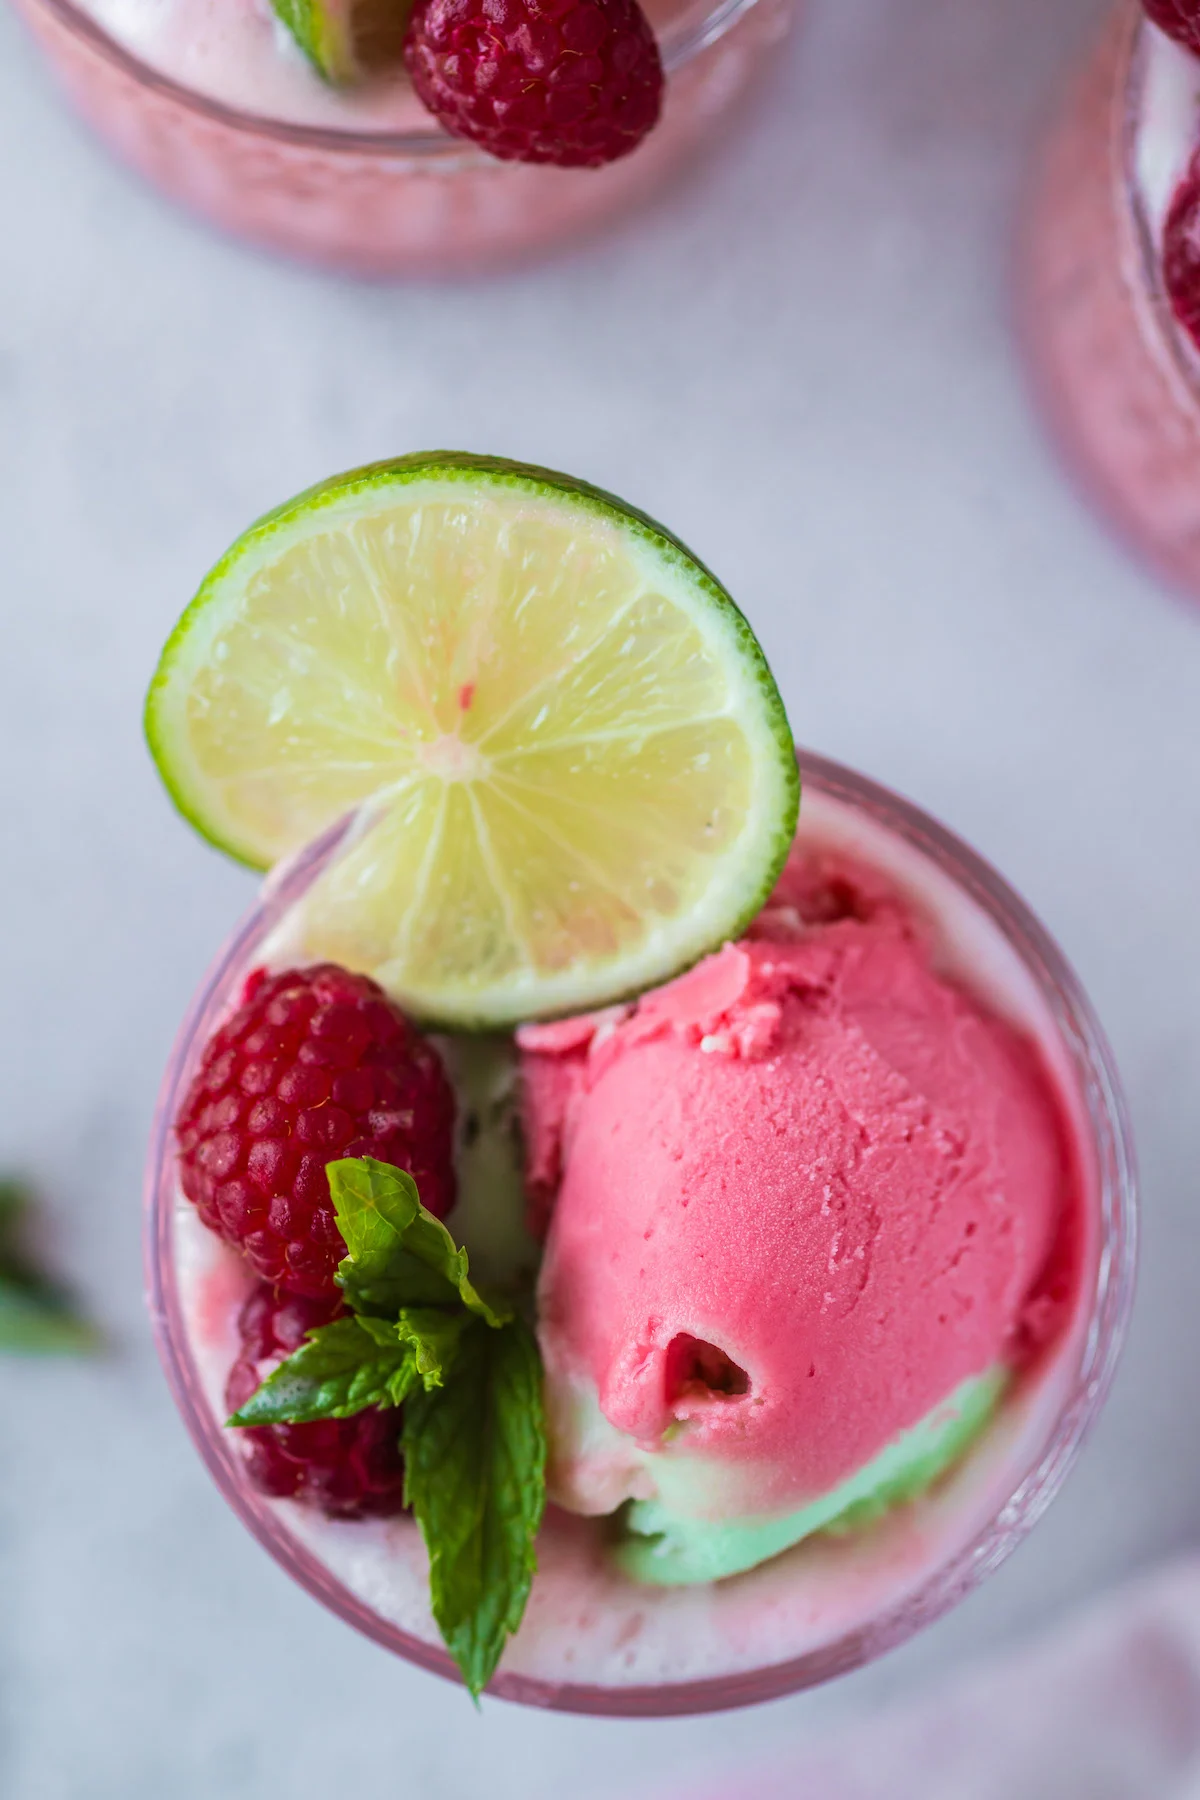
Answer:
(672, 1550)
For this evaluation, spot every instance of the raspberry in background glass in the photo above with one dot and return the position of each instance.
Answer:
(574, 83)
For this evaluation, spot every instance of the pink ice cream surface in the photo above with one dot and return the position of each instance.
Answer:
(798, 1195)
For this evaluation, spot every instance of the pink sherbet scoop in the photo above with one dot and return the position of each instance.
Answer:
(796, 1197)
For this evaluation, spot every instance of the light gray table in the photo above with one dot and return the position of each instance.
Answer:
(802, 362)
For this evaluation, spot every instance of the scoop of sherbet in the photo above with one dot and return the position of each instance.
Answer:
(802, 1203)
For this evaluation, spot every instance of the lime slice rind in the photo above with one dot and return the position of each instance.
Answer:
(321, 30)
(653, 832)
(347, 41)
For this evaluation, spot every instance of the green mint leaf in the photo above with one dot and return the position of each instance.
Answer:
(399, 1254)
(475, 1476)
(37, 1318)
(338, 1371)
(38, 1321)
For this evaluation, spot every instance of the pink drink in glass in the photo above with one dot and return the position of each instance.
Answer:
(1118, 378)
(240, 132)
(594, 1641)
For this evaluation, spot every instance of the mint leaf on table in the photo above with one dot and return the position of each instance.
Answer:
(475, 1476)
(37, 1318)
(469, 1376)
(399, 1254)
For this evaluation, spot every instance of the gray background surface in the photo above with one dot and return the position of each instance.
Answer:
(802, 361)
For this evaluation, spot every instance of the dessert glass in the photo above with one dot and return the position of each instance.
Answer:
(592, 1641)
(412, 201)
(1116, 377)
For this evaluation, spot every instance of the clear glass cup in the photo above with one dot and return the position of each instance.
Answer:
(401, 202)
(844, 1601)
(1115, 376)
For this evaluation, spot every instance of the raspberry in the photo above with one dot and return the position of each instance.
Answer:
(1180, 19)
(1181, 253)
(573, 82)
(347, 1467)
(316, 1064)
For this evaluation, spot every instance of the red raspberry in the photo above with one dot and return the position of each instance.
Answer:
(1181, 253)
(1180, 19)
(573, 82)
(316, 1064)
(347, 1467)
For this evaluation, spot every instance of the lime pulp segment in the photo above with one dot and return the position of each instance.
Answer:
(577, 771)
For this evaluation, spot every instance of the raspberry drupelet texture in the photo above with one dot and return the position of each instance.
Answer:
(350, 1468)
(1180, 19)
(1181, 253)
(315, 1064)
(572, 82)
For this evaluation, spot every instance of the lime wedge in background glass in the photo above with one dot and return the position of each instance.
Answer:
(347, 40)
(580, 771)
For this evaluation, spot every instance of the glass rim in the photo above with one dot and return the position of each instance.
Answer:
(1103, 1115)
(677, 49)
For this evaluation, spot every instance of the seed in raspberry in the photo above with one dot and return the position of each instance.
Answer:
(1181, 253)
(1180, 19)
(350, 1468)
(572, 82)
(316, 1064)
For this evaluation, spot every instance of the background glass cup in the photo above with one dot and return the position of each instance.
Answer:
(400, 202)
(1116, 378)
(866, 1592)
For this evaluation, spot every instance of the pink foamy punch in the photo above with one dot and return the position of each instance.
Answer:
(880, 1139)
(1104, 323)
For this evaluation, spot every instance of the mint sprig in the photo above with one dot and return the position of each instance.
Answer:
(475, 1475)
(468, 1374)
(37, 1317)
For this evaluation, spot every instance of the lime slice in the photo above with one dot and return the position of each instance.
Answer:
(579, 769)
(347, 40)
